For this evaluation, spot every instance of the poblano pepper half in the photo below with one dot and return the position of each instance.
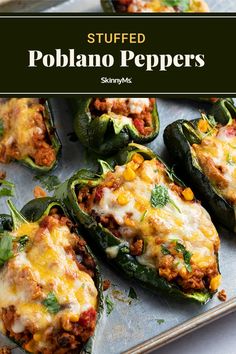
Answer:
(205, 149)
(102, 125)
(127, 210)
(30, 242)
(28, 134)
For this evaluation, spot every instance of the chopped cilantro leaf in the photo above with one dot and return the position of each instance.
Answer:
(143, 216)
(5, 192)
(23, 240)
(229, 159)
(183, 4)
(50, 182)
(7, 189)
(51, 303)
(109, 305)
(186, 255)
(5, 247)
(164, 250)
(160, 197)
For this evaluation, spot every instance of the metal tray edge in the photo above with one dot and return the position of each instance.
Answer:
(28, 5)
(184, 329)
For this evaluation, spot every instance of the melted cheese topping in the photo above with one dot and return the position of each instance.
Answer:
(24, 133)
(179, 220)
(217, 157)
(45, 266)
(159, 6)
(135, 105)
(18, 125)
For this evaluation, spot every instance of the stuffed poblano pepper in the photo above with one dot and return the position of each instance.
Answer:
(129, 6)
(50, 293)
(206, 150)
(27, 133)
(106, 125)
(147, 224)
(221, 108)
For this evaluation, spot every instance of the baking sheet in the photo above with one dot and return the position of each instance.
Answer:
(27, 5)
(133, 322)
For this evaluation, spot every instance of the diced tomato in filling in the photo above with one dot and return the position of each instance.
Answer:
(139, 125)
(231, 130)
(214, 99)
(87, 318)
(142, 120)
(98, 193)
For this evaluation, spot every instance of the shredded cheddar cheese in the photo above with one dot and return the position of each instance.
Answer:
(45, 266)
(176, 223)
(216, 155)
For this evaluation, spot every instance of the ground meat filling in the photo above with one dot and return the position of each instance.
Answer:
(66, 331)
(139, 110)
(177, 254)
(5, 350)
(23, 132)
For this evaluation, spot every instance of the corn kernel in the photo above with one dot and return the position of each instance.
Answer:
(129, 174)
(37, 337)
(140, 206)
(207, 232)
(129, 222)
(110, 183)
(66, 323)
(188, 194)
(138, 158)
(203, 125)
(215, 282)
(179, 222)
(183, 272)
(133, 165)
(74, 318)
(145, 177)
(29, 346)
(123, 199)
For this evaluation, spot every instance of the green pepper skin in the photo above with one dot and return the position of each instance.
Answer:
(102, 238)
(221, 108)
(98, 133)
(34, 211)
(53, 138)
(5, 222)
(177, 141)
(108, 6)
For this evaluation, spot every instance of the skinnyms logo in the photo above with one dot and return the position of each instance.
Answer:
(111, 80)
(147, 62)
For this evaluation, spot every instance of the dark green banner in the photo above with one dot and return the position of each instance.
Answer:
(137, 54)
